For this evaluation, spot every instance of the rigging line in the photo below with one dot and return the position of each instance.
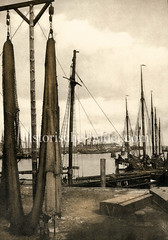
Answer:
(138, 117)
(85, 87)
(61, 67)
(131, 130)
(149, 131)
(100, 107)
(19, 26)
(79, 114)
(64, 128)
(16, 31)
(56, 56)
(19, 120)
(147, 111)
(42, 30)
(24, 127)
(87, 115)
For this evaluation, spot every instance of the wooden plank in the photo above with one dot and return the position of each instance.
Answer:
(160, 197)
(121, 205)
(23, 172)
(22, 15)
(24, 4)
(41, 13)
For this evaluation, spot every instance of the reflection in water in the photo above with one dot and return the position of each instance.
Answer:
(89, 164)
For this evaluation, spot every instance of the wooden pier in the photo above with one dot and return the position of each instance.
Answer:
(136, 179)
(129, 179)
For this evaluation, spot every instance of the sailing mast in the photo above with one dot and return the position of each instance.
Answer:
(72, 89)
(152, 123)
(156, 128)
(142, 114)
(127, 128)
(139, 128)
(159, 139)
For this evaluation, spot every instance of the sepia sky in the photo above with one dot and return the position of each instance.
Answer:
(113, 37)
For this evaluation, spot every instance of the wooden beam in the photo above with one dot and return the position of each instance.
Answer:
(33, 98)
(24, 4)
(41, 13)
(22, 15)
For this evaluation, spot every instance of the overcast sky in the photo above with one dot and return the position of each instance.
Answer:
(113, 38)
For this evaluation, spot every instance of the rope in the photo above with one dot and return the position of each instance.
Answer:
(15, 31)
(8, 24)
(131, 131)
(42, 30)
(19, 120)
(51, 12)
(87, 116)
(87, 90)
(79, 113)
(56, 56)
(100, 107)
(19, 26)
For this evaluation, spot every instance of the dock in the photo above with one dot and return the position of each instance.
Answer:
(160, 197)
(135, 202)
(136, 179)
(119, 206)
(125, 180)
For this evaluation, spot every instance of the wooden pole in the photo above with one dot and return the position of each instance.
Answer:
(22, 4)
(33, 98)
(159, 139)
(143, 116)
(116, 166)
(31, 21)
(103, 172)
(139, 151)
(72, 84)
(127, 126)
(156, 132)
(152, 123)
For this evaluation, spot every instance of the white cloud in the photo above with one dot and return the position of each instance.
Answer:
(82, 35)
(108, 63)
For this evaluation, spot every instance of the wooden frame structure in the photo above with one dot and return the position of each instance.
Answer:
(24, 4)
(31, 22)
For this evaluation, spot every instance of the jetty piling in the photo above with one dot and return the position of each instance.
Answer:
(103, 172)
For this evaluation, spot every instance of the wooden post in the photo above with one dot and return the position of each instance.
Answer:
(103, 172)
(156, 133)
(143, 115)
(72, 84)
(159, 139)
(117, 167)
(152, 123)
(127, 127)
(139, 150)
(33, 99)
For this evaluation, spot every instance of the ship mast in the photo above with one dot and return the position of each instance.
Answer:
(127, 128)
(142, 113)
(156, 128)
(72, 89)
(152, 123)
(139, 128)
(159, 138)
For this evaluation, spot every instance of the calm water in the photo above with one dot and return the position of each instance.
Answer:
(89, 164)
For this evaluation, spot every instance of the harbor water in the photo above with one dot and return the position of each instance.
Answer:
(89, 164)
